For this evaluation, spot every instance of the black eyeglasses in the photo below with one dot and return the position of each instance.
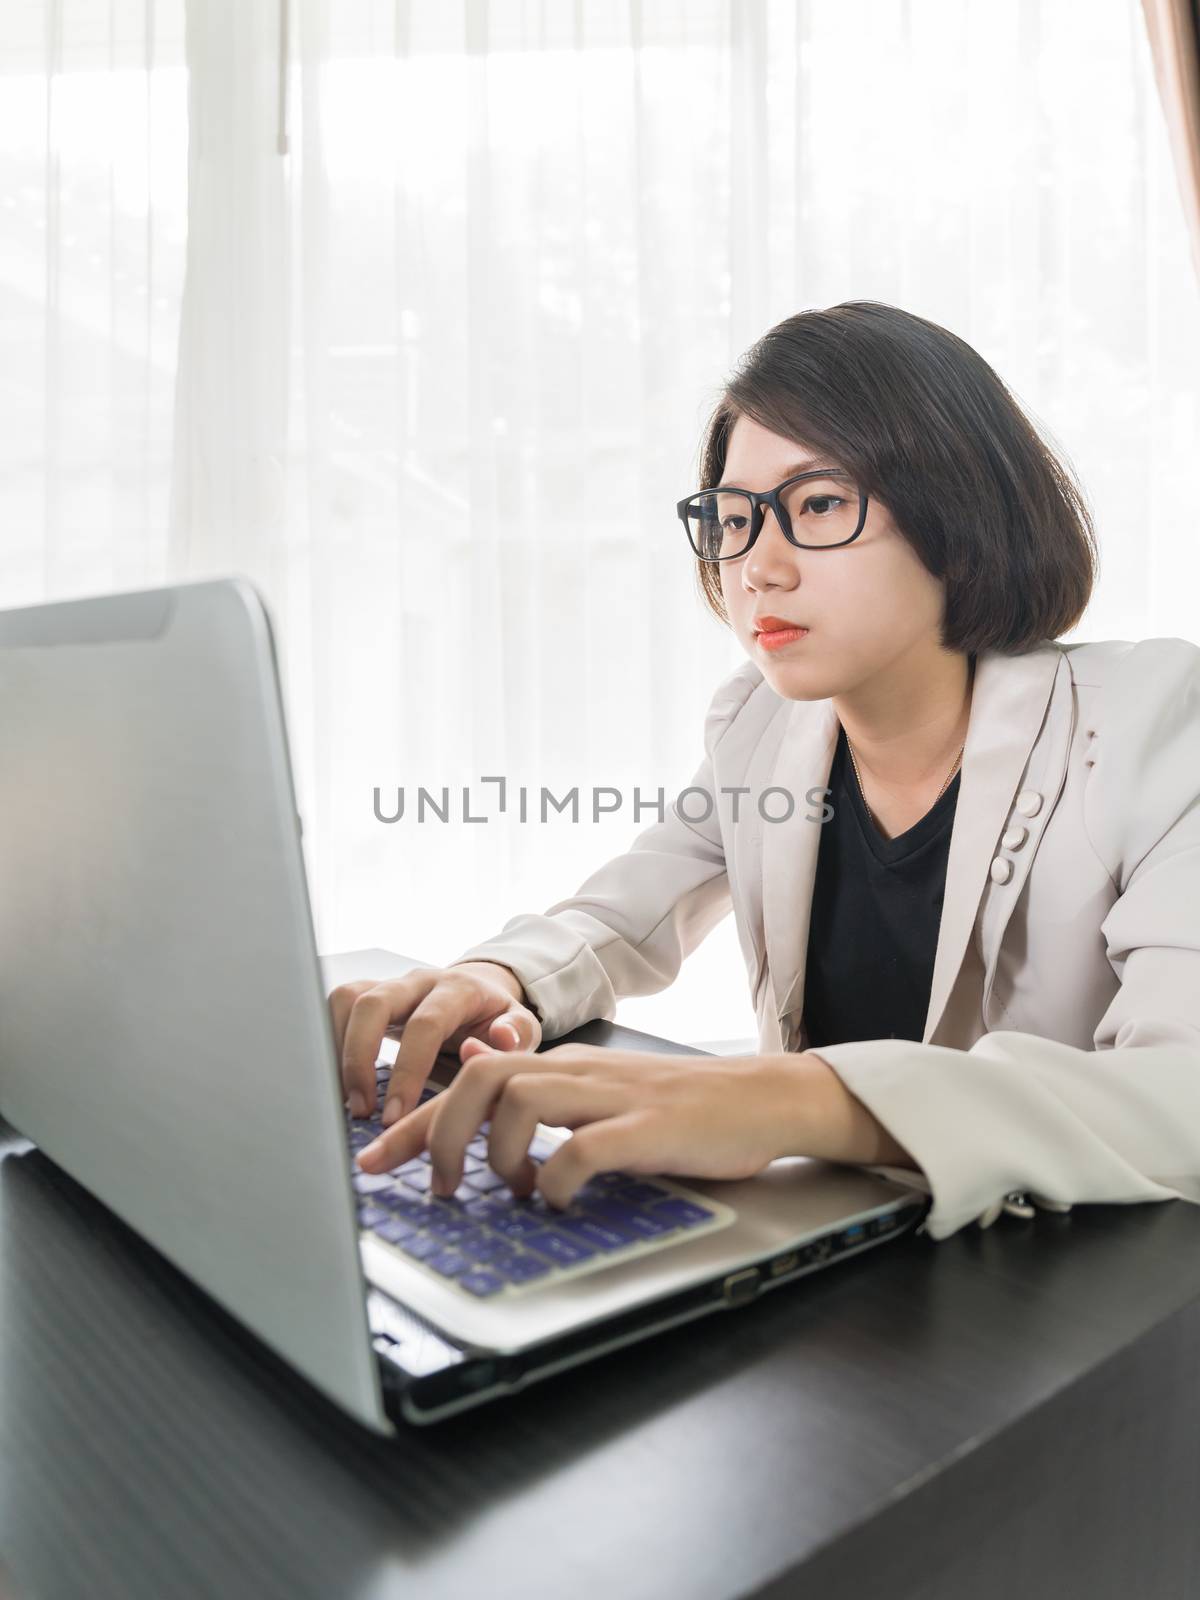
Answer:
(817, 510)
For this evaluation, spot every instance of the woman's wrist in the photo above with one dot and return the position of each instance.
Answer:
(814, 1114)
(498, 973)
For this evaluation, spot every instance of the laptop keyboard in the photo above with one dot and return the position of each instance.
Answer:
(488, 1242)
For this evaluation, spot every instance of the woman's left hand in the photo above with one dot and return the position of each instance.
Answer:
(698, 1116)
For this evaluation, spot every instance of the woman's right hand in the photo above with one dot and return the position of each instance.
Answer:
(440, 1009)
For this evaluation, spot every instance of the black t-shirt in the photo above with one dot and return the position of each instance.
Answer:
(877, 906)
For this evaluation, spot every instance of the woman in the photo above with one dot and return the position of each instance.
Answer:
(973, 941)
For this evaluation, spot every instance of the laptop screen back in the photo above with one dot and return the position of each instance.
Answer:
(164, 1035)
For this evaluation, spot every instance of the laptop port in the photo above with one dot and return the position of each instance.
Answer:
(785, 1263)
(821, 1250)
(741, 1286)
(854, 1234)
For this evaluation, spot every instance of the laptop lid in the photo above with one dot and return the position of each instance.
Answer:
(144, 869)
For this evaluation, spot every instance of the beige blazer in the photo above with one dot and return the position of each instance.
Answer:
(1061, 1050)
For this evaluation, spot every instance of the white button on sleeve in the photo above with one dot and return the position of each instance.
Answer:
(1015, 837)
(1017, 1203)
(1029, 802)
(1001, 870)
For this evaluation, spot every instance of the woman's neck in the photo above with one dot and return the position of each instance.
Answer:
(908, 724)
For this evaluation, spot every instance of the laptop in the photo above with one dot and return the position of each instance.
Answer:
(165, 1038)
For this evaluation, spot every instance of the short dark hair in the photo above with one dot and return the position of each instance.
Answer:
(923, 423)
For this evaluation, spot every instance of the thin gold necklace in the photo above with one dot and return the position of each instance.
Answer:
(862, 791)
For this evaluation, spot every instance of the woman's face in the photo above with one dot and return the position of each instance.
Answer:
(868, 605)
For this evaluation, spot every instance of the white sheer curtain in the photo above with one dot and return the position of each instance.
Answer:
(440, 368)
(93, 225)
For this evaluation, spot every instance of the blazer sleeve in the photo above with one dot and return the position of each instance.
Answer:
(1120, 1122)
(629, 927)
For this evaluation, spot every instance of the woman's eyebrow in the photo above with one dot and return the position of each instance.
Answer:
(792, 471)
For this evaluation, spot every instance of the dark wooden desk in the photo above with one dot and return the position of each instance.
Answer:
(1007, 1413)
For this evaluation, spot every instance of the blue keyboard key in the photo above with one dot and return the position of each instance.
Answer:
(371, 1216)
(471, 1239)
(404, 1205)
(513, 1225)
(681, 1211)
(614, 1221)
(406, 1167)
(521, 1268)
(421, 1246)
(642, 1224)
(637, 1190)
(557, 1247)
(480, 1282)
(483, 1246)
(609, 1202)
(393, 1229)
(459, 1229)
(484, 1181)
(449, 1228)
(369, 1182)
(419, 1178)
(594, 1233)
(449, 1263)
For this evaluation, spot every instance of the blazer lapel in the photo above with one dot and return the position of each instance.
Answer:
(1007, 708)
(789, 848)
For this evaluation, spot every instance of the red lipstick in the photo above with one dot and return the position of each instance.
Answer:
(776, 633)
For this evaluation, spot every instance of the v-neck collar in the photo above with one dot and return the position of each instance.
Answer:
(927, 828)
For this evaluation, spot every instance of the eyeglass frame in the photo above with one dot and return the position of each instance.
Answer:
(770, 497)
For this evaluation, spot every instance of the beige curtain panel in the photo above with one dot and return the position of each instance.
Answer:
(1174, 30)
